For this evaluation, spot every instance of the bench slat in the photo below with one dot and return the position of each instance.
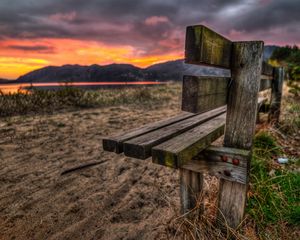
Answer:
(203, 46)
(201, 94)
(227, 163)
(267, 69)
(140, 147)
(218, 169)
(265, 84)
(115, 143)
(180, 149)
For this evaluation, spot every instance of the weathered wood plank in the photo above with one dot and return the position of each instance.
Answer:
(115, 143)
(260, 105)
(276, 95)
(267, 69)
(179, 150)
(227, 163)
(243, 95)
(140, 147)
(222, 170)
(204, 46)
(191, 186)
(201, 94)
(240, 123)
(225, 154)
(265, 84)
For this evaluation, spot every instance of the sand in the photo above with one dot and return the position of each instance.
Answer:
(122, 198)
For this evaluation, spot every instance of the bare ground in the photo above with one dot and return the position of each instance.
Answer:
(121, 198)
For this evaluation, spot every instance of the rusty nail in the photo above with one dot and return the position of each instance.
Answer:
(224, 158)
(227, 173)
(235, 161)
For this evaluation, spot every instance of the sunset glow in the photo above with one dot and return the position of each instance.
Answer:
(35, 33)
(15, 62)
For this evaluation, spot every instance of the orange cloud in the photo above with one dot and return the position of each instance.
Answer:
(21, 56)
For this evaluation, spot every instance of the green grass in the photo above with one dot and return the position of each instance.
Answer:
(41, 101)
(275, 192)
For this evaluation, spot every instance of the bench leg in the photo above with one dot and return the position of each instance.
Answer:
(232, 202)
(276, 95)
(191, 186)
(240, 123)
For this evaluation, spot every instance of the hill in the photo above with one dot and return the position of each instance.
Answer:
(172, 70)
(2, 80)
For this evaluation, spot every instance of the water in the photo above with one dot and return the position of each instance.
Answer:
(23, 87)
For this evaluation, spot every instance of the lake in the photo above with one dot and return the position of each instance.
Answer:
(24, 87)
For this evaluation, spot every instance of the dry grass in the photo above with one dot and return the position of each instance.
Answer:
(41, 101)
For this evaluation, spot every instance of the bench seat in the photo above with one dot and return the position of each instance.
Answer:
(139, 142)
(169, 141)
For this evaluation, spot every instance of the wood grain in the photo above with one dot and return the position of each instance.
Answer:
(240, 123)
(181, 149)
(200, 94)
(276, 95)
(265, 84)
(191, 186)
(115, 143)
(243, 95)
(267, 69)
(140, 147)
(204, 46)
(227, 163)
(260, 107)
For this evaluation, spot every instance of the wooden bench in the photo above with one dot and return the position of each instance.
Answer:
(209, 104)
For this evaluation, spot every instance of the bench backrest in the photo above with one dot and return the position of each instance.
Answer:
(249, 75)
(205, 47)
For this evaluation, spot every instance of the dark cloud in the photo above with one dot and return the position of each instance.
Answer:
(125, 21)
(35, 48)
(279, 13)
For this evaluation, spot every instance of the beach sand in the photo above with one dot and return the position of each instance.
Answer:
(121, 198)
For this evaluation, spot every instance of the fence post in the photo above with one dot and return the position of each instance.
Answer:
(246, 64)
(191, 186)
(277, 84)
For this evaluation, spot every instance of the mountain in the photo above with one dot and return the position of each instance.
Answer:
(109, 73)
(77, 73)
(166, 71)
(172, 70)
(2, 80)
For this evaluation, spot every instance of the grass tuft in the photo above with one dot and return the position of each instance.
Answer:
(290, 123)
(43, 101)
(274, 191)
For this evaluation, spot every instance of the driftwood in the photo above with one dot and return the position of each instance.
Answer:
(80, 167)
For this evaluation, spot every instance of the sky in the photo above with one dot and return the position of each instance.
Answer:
(38, 33)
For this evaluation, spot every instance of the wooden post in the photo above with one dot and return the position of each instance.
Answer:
(246, 67)
(277, 84)
(191, 186)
